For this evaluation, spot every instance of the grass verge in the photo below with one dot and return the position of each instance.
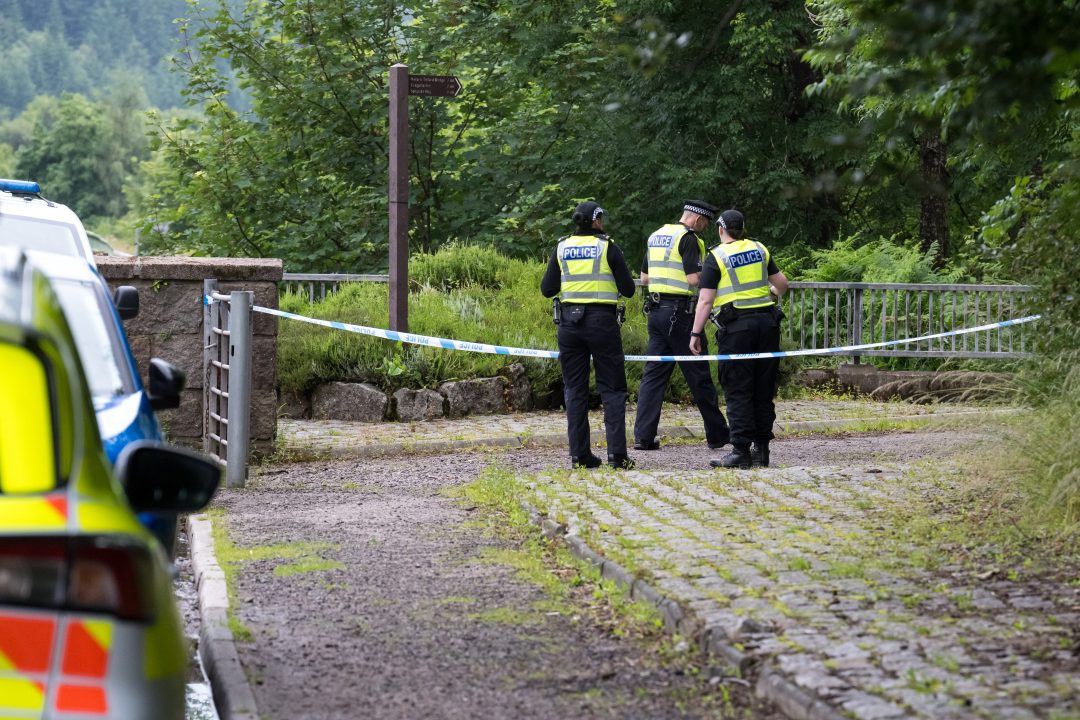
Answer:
(302, 557)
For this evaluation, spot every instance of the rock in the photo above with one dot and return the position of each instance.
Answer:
(415, 405)
(963, 385)
(473, 397)
(294, 405)
(916, 389)
(817, 378)
(519, 392)
(357, 402)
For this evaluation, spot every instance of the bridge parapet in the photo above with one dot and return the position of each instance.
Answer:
(169, 326)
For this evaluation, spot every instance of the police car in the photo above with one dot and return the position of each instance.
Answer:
(27, 220)
(88, 624)
(123, 406)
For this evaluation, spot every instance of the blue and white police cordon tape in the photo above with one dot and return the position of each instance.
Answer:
(447, 344)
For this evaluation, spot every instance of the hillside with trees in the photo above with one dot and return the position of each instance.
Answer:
(51, 47)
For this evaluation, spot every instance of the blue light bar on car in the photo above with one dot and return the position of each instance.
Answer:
(20, 186)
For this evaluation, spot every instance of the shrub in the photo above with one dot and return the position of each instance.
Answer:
(877, 261)
(465, 293)
(460, 266)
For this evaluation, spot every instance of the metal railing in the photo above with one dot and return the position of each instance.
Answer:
(318, 285)
(830, 314)
(227, 379)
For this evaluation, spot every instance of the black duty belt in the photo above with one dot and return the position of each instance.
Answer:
(607, 307)
(668, 299)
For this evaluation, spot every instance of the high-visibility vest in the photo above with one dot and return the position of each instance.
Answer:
(744, 275)
(666, 272)
(586, 275)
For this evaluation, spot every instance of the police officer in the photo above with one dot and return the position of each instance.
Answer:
(588, 272)
(671, 269)
(735, 291)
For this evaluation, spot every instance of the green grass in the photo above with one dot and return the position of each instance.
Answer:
(504, 616)
(304, 557)
(547, 564)
(460, 292)
(306, 565)
(1029, 481)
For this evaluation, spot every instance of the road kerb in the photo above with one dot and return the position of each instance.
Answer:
(232, 692)
(770, 685)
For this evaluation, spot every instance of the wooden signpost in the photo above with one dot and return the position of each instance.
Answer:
(402, 85)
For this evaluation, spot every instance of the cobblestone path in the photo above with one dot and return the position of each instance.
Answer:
(835, 577)
(350, 439)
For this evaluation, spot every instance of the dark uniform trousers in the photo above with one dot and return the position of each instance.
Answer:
(749, 385)
(584, 331)
(654, 379)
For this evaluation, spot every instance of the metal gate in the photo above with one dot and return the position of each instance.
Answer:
(227, 379)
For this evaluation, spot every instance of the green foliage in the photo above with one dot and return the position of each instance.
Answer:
(462, 266)
(74, 153)
(551, 113)
(1036, 229)
(878, 261)
(991, 84)
(510, 312)
(53, 47)
(1028, 485)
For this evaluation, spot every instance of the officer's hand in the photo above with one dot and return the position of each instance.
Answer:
(695, 345)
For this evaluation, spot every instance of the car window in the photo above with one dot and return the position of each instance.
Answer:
(100, 246)
(39, 234)
(27, 456)
(96, 337)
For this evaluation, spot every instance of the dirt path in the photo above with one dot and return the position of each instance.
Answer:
(389, 600)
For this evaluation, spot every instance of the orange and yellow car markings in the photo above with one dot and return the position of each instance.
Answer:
(21, 694)
(86, 699)
(86, 648)
(25, 643)
(25, 648)
(37, 514)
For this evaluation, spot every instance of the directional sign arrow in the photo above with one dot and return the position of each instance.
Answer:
(434, 85)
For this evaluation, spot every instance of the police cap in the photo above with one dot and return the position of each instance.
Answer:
(733, 222)
(700, 207)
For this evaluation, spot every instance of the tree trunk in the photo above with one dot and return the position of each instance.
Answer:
(933, 218)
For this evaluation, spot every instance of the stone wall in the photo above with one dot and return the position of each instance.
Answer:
(361, 402)
(169, 326)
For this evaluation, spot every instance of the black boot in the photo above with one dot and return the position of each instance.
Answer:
(759, 451)
(621, 462)
(739, 457)
(588, 462)
(653, 444)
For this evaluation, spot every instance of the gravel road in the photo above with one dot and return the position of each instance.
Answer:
(408, 617)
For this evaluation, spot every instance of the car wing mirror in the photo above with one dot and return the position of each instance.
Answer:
(166, 382)
(126, 298)
(161, 478)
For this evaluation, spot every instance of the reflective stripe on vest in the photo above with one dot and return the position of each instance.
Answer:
(666, 272)
(744, 274)
(586, 275)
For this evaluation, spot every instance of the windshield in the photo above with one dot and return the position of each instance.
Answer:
(38, 234)
(96, 337)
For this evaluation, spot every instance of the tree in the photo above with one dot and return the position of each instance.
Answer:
(552, 113)
(971, 88)
(78, 155)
